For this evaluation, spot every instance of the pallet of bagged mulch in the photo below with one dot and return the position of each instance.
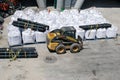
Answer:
(97, 31)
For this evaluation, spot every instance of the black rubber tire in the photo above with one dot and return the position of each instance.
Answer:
(74, 48)
(60, 49)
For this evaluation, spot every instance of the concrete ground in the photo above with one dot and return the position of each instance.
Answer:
(100, 60)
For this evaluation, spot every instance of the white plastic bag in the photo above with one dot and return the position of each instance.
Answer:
(51, 18)
(54, 14)
(14, 18)
(74, 12)
(40, 36)
(101, 33)
(111, 32)
(80, 32)
(90, 34)
(65, 13)
(24, 16)
(28, 36)
(44, 14)
(91, 16)
(17, 14)
(54, 26)
(14, 38)
(29, 14)
(12, 28)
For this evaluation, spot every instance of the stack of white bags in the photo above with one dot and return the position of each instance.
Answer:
(101, 33)
(56, 20)
(14, 36)
(28, 36)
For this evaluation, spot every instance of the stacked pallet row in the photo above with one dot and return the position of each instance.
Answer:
(21, 36)
(55, 20)
(97, 31)
(24, 35)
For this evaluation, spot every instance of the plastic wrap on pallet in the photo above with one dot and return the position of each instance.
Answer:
(92, 16)
(21, 14)
(60, 21)
(14, 38)
(40, 36)
(64, 13)
(74, 12)
(28, 36)
(66, 18)
(44, 14)
(90, 34)
(111, 32)
(54, 13)
(52, 16)
(30, 13)
(13, 18)
(73, 20)
(49, 21)
(101, 33)
(10, 23)
(41, 16)
(80, 32)
(25, 16)
(36, 17)
(12, 28)
(54, 26)
(17, 14)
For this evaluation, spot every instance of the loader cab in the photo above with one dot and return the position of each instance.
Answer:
(69, 31)
(65, 34)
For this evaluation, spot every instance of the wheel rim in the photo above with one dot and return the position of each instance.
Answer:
(61, 50)
(75, 48)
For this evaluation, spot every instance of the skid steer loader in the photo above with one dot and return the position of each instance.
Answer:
(60, 40)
